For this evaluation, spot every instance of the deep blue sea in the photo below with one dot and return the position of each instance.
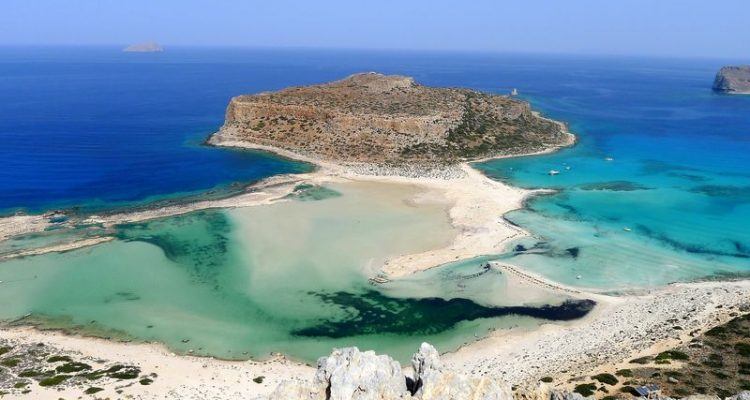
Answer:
(656, 190)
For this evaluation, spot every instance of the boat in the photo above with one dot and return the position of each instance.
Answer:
(626, 229)
(514, 92)
(553, 172)
(609, 159)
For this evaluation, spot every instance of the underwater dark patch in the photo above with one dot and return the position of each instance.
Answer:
(372, 312)
(614, 186)
(737, 193)
(573, 251)
(689, 177)
(691, 248)
(308, 192)
(197, 241)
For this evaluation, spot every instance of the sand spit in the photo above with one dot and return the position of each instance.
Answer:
(619, 329)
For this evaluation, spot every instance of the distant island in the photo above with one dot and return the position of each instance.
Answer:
(733, 80)
(146, 47)
(374, 118)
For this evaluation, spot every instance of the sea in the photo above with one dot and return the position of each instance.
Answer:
(656, 190)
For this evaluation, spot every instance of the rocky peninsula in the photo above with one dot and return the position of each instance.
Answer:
(374, 118)
(733, 80)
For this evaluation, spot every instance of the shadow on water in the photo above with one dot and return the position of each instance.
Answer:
(372, 312)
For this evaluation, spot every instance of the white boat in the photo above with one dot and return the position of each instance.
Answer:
(626, 229)
(514, 92)
(553, 172)
(609, 159)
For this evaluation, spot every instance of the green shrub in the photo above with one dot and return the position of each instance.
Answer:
(743, 349)
(585, 389)
(93, 390)
(625, 373)
(609, 379)
(53, 381)
(672, 355)
(547, 379)
(10, 362)
(146, 381)
(5, 349)
(641, 360)
(73, 367)
(58, 359)
(259, 379)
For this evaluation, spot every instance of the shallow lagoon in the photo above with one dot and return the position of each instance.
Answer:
(288, 277)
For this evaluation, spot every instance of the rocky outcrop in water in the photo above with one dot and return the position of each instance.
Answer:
(148, 47)
(733, 80)
(374, 118)
(349, 374)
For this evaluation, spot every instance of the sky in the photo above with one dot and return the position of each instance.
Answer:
(686, 28)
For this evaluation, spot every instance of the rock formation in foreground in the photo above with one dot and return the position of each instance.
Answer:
(373, 118)
(147, 47)
(349, 374)
(733, 80)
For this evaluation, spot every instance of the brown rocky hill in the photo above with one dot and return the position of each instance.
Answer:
(375, 118)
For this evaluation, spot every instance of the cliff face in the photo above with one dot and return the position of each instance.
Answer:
(375, 118)
(734, 80)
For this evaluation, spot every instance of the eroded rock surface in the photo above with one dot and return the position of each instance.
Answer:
(349, 374)
(733, 79)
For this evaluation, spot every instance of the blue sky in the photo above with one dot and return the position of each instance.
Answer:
(718, 28)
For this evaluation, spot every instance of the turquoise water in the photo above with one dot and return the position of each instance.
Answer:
(671, 204)
(656, 191)
(289, 277)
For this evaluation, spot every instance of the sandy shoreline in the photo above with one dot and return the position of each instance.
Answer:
(619, 328)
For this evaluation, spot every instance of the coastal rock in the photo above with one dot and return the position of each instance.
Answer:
(744, 395)
(374, 118)
(349, 374)
(555, 395)
(733, 80)
(702, 397)
(433, 381)
(147, 47)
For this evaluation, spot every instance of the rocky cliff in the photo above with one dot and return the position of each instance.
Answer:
(734, 80)
(376, 118)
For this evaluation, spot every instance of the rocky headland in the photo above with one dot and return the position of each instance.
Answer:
(378, 119)
(733, 80)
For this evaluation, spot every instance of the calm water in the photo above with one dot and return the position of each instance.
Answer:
(657, 190)
(288, 277)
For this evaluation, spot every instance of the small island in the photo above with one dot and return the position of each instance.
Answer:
(146, 47)
(733, 80)
(378, 119)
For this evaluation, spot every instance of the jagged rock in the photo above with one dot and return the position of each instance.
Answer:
(702, 397)
(734, 80)
(555, 395)
(744, 395)
(433, 381)
(349, 374)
